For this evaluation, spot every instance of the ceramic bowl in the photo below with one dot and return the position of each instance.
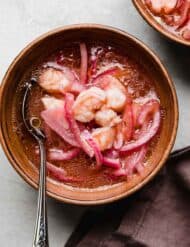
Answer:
(146, 14)
(48, 42)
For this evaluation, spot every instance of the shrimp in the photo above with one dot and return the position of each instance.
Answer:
(115, 92)
(107, 117)
(162, 6)
(87, 103)
(115, 99)
(104, 137)
(52, 102)
(60, 81)
(54, 81)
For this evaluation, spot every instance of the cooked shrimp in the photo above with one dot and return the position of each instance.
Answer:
(53, 80)
(115, 99)
(87, 103)
(162, 6)
(52, 102)
(104, 137)
(115, 92)
(107, 117)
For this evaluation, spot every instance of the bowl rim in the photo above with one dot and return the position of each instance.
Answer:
(153, 23)
(150, 176)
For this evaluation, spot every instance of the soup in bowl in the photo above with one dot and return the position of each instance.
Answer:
(107, 107)
(170, 17)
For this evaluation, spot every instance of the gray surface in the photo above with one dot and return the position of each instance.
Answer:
(20, 22)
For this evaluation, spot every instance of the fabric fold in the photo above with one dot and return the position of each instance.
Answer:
(156, 216)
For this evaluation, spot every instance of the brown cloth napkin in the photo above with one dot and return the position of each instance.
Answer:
(156, 216)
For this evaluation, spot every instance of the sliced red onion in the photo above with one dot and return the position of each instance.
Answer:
(60, 174)
(59, 154)
(111, 162)
(98, 155)
(185, 8)
(84, 63)
(119, 173)
(135, 160)
(127, 123)
(136, 110)
(109, 71)
(139, 168)
(93, 66)
(179, 3)
(145, 137)
(112, 153)
(147, 132)
(186, 34)
(186, 30)
(69, 100)
(56, 120)
(150, 107)
(94, 61)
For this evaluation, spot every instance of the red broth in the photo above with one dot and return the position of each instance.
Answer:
(173, 15)
(139, 86)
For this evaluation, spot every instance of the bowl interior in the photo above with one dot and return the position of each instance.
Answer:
(49, 43)
(143, 10)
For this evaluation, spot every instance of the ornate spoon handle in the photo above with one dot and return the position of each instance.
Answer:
(41, 228)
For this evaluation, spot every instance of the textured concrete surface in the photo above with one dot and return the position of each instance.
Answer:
(20, 22)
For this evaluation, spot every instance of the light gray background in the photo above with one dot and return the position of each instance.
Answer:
(20, 22)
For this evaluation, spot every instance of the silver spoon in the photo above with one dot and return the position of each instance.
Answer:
(33, 127)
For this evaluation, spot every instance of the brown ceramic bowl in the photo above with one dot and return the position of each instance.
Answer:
(48, 42)
(145, 13)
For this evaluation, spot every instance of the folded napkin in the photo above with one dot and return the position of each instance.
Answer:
(156, 216)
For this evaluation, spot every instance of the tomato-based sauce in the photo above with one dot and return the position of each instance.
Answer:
(105, 65)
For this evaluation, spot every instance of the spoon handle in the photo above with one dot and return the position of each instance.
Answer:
(41, 228)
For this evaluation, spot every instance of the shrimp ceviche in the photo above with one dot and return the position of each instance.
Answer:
(173, 14)
(100, 114)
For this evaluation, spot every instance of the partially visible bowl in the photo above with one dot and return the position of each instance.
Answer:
(146, 14)
(48, 42)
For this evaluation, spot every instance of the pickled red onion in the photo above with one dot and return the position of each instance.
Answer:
(148, 130)
(128, 121)
(59, 154)
(109, 71)
(119, 173)
(111, 153)
(69, 100)
(111, 162)
(98, 155)
(84, 63)
(60, 174)
(136, 110)
(135, 160)
(150, 107)
(185, 8)
(56, 120)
